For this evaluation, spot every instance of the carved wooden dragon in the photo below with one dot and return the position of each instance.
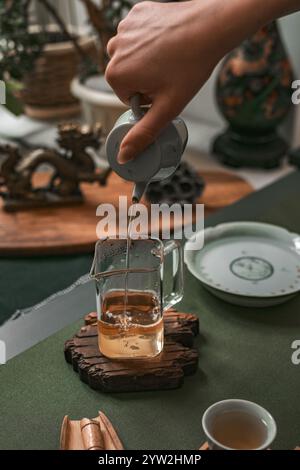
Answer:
(71, 165)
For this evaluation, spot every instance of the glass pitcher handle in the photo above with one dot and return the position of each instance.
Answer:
(172, 298)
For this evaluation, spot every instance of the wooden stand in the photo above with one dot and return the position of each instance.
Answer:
(166, 371)
(72, 229)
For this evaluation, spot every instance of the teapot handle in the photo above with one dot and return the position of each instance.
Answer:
(172, 298)
(135, 104)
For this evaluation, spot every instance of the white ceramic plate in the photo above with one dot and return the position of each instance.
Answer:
(247, 263)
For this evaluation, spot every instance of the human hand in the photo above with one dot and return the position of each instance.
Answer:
(166, 52)
(160, 54)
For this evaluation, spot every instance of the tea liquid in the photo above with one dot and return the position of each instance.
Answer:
(239, 430)
(128, 245)
(138, 333)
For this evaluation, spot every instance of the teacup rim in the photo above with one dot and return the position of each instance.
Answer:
(271, 432)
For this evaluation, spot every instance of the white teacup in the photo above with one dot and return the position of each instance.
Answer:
(238, 425)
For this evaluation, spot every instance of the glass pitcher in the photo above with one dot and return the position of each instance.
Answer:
(132, 294)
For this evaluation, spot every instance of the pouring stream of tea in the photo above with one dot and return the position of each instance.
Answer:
(131, 216)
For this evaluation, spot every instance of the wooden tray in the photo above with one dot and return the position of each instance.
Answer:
(66, 230)
(167, 371)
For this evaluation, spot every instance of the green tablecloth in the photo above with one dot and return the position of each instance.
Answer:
(244, 353)
(25, 282)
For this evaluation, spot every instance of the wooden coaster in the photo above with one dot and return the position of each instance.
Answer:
(167, 371)
(72, 229)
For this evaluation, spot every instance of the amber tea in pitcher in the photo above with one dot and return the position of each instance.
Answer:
(131, 301)
(138, 331)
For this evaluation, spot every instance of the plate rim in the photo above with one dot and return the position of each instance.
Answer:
(188, 254)
(262, 302)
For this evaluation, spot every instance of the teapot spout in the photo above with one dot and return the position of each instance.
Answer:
(138, 191)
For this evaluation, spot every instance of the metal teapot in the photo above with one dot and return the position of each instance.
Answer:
(158, 161)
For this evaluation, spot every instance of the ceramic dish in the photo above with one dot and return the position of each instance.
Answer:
(247, 263)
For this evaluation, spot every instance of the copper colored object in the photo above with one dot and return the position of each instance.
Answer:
(204, 446)
(89, 434)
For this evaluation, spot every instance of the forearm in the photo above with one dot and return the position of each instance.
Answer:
(278, 8)
(167, 51)
(239, 19)
(263, 11)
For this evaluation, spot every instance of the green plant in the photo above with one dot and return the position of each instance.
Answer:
(18, 49)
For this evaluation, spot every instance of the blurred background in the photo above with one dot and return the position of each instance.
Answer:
(202, 111)
(52, 59)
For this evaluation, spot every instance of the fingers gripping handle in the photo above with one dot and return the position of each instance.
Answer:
(135, 104)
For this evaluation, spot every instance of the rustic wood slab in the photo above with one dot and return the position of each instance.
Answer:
(72, 229)
(166, 371)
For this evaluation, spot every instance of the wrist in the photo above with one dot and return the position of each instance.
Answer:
(235, 20)
(214, 23)
(262, 12)
(251, 15)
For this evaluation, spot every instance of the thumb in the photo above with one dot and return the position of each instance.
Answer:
(146, 130)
